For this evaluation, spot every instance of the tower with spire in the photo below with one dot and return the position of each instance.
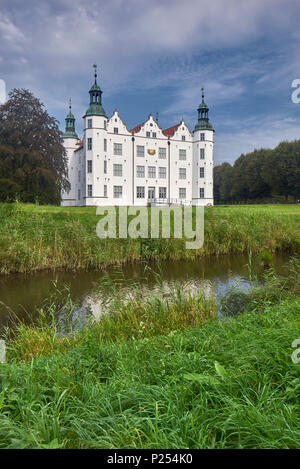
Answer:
(70, 124)
(71, 143)
(203, 150)
(95, 107)
(95, 141)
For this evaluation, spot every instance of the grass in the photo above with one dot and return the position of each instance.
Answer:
(36, 237)
(160, 372)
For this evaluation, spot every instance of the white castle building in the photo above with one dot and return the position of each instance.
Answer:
(146, 165)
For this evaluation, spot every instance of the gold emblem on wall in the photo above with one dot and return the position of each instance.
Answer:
(151, 152)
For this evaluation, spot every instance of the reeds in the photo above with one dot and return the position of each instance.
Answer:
(34, 237)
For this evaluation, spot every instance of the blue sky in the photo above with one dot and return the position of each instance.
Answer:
(155, 57)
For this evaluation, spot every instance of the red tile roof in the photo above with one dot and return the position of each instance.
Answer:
(137, 128)
(168, 132)
(171, 130)
(80, 145)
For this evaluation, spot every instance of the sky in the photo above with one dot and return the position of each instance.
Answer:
(155, 56)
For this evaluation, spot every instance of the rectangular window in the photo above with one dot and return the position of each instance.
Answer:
(140, 171)
(90, 190)
(105, 191)
(162, 153)
(201, 192)
(140, 150)
(202, 136)
(117, 148)
(154, 134)
(148, 134)
(105, 144)
(162, 173)
(182, 154)
(90, 143)
(104, 123)
(140, 192)
(116, 130)
(202, 172)
(118, 170)
(105, 167)
(183, 138)
(89, 166)
(182, 192)
(182, 173)
(151, 172)
(78, 193)
(202, 153)
(118, 192)
(162, 192)
(90, 122)
(79, 176)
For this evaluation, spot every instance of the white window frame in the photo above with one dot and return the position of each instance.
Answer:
(118, 149)
(140, 192)
(140, 151)
(180, 195)
(182, 173)
(152, 172)
(182, 154)
(164, 190)
(118, 192)
(162, 153)
(117, 170)
(140, 171)
(162, 172)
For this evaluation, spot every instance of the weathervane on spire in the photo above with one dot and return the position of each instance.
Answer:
(202, 89)
(95, 68)
(70, 104)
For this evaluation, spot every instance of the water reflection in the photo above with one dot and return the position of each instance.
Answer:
(22, 294)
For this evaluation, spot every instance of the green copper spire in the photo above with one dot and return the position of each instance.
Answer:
(70, 124)
(203, 121)
(95, 108)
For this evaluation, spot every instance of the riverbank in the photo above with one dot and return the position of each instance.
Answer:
(34, 238)
(160, 372)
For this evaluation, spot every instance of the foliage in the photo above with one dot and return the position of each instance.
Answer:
(260, 175)
(33, 163)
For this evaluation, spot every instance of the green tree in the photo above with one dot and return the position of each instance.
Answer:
(33, 162)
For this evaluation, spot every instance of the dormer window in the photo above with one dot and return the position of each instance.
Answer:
(148, 134)
(154, 134)
(183, 138)
(116, 130)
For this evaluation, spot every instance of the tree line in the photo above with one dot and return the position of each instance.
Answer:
(260, 176)
(33, 164)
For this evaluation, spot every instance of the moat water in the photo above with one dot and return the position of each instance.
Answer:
(21, 295)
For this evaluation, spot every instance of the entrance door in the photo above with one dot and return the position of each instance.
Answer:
(151, 193)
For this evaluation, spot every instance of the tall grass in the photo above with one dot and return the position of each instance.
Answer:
(159, 372)
(226, 384)
(36, 237)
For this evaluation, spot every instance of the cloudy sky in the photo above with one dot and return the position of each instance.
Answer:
(154, 56)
